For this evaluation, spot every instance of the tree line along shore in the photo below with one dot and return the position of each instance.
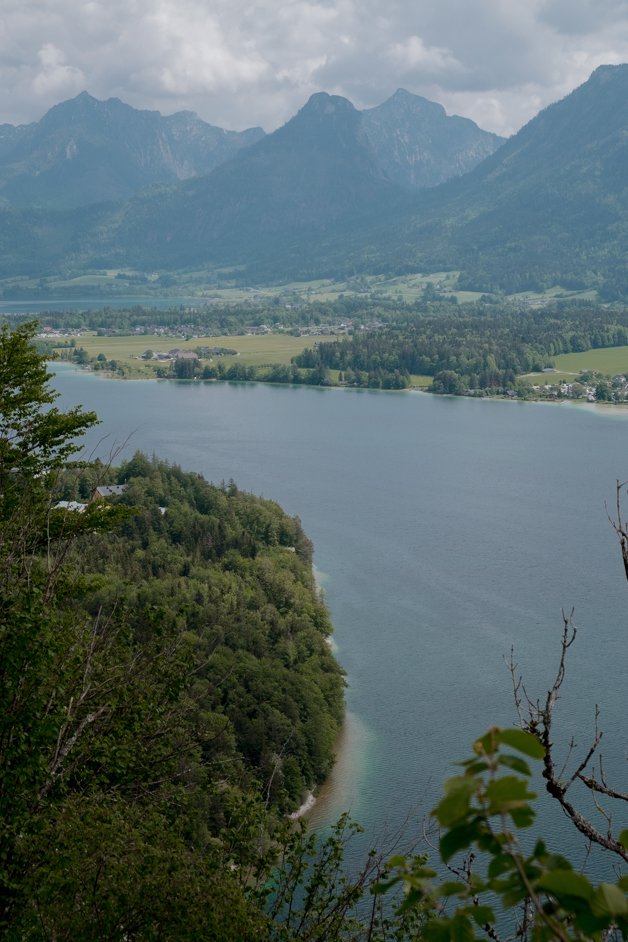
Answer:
(566, 350)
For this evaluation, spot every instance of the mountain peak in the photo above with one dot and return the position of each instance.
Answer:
(416, 144)
(322, 103)
(116, 151)
(81, 101)
(610, 71)
(416, 103)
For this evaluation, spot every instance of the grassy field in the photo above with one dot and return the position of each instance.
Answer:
(420, 382)
(610, 361)
(254, 351)
(266, 350)
(553, 294)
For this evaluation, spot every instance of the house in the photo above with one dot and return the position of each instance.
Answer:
(187, 355)
(109, 490)
(74, 505)
(178, 354)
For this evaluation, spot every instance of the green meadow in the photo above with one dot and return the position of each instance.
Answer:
(609, 361)
(254, 351)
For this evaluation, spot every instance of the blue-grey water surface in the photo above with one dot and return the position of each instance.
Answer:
(445, 532)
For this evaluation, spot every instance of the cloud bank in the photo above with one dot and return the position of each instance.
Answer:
(239, 63)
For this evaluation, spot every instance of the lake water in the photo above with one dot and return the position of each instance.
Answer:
(446, 531)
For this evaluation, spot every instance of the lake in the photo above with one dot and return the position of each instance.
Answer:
(446, 531)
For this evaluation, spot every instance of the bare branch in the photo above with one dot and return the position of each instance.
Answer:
(619, 526)
(540, 724)
(596, 786)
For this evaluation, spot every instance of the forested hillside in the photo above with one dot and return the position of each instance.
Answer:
(88, 151)
(233, 573)
(167, 690)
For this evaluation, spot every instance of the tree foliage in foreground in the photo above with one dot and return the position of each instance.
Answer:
(482, 813)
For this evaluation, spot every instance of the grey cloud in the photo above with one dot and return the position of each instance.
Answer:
(239, 63)
(580, 17)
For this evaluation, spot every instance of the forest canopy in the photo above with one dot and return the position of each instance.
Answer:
(167, 689)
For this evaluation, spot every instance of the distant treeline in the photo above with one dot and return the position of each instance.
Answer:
(222, 317)
(475, 347)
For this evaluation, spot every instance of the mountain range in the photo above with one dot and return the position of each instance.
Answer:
(86, 151)
(334, 191)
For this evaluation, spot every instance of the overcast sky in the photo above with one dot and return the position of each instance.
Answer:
(239, 63)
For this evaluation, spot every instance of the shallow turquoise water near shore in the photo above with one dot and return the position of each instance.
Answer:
(447, 531)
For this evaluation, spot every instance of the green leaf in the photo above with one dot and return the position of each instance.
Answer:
(623, 838)
(437, 930)
(565, 883)
(555, 862)
(515, 763)
(608, 900)
(451, 888)
(501, 863)
(383, 886)
(488, 744)
(482, 915)
(458, 838)
(461, 929)
(522, 741)
(455, 804)
(507, 793)
(522, 817)
(474, 766)
(398, 860)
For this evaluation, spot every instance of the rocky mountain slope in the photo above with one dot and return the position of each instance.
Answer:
(417, 144)
(87, 151)
(550, 206)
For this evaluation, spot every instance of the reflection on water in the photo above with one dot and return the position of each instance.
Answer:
(341, 792)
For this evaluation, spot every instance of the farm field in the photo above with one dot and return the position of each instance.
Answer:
(610, 361)
(254, 351)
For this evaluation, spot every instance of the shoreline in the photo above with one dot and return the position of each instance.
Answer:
(340, 791)
(107, 375)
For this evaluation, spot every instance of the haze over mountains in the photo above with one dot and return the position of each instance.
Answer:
(333, 191)
(88, 151)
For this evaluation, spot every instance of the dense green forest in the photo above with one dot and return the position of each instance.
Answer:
(471, 348)
(168, 690)
(233, 573)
